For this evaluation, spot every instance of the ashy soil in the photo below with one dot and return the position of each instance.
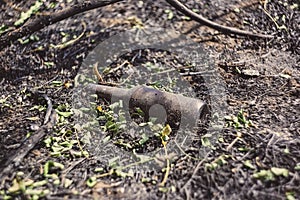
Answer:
(257, 152)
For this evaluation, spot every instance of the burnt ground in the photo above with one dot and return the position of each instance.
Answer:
(255, 157)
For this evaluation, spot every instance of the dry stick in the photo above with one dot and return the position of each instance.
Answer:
(99, 77)
(29, 144)
(224, 29)
(45, 20)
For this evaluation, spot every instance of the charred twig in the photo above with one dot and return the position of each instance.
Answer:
(48, 19)
(224, 29)
(30, 143)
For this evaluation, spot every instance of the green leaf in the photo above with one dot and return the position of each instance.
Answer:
(248, 164)
(297, 167)
(186, 18)
(3, 29)
(39, 193)
(37, 107)
(243, 149)
(106, 139)
(67, 182)
(50, 164)
(48, 141)
(34, 38)
(144, 139)
(143, 124)
(57, 83)
(113, 162)
(205, 141)
(166, 131)
(211, 166)
(23, 41)
(26, 15)
(146, 180)
(238, 121)
(170, 14)
(99, 169)
(91, 182)
(264, 174)
(57, 149)
(64, 114)
(280, 171)
(163, 189)
(85, 154)
(290, 196)
(56, 181)
(15, 187)
(50, 64)
(122, 174)
(39, 183)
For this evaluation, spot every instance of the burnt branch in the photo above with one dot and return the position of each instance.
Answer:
(17, 157)
(42, 21)
(224, 29)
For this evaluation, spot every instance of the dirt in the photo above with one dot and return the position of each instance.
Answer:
(261, 80)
